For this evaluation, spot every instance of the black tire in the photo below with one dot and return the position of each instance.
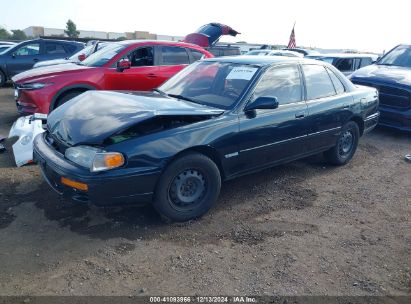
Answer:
(188, 188)
(2, 79)
(346, 146)
(66, 97)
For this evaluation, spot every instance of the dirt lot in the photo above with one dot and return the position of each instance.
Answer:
(304, 228)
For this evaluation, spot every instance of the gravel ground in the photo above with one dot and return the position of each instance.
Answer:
(305, 228)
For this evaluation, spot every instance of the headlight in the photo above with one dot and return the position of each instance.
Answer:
(94, 159)
(34, 85)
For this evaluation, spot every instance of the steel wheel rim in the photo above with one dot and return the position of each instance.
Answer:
(346, 143)
(187, 189)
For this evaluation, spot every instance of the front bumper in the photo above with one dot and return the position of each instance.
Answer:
(32, 101)
(114, 187)
(395, 118)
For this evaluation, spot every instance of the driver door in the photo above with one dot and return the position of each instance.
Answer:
(141, 75)
(268, 136)
(23, 58)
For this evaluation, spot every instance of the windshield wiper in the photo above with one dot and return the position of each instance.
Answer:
(183, 98)
(160, 92)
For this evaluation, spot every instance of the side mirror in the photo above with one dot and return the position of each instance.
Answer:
(123, 64)
(81, 57)
(262, 103)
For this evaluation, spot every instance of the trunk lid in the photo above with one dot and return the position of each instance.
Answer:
(209, 34)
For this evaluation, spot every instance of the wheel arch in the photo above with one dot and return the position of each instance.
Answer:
(360, 122)
(208, 151)
(65, 90)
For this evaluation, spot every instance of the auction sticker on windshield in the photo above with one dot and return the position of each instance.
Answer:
(245, 73)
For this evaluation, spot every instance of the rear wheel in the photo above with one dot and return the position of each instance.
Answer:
(2, 79)
(188, 188)
(346, 146)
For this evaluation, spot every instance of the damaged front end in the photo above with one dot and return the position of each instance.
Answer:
(25, 129)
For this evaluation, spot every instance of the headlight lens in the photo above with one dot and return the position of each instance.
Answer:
(34, 85)
(94, 159)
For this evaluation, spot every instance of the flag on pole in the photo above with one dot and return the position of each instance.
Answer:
(292, 44)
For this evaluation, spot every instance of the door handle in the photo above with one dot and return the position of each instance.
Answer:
(151, 75)
(35, 60)
(299, 115)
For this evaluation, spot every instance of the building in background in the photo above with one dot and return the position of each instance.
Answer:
(40, 31)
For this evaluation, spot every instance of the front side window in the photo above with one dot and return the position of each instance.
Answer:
(216, 84)
(54, 48)
(366, 61)
(318, 83)
(172, 55)
(143, 56)
(28, 50)
(101, 57)
(284, 83)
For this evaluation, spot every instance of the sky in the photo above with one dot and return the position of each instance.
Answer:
(364, 25)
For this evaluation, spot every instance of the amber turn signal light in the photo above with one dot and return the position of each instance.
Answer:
(74, 184)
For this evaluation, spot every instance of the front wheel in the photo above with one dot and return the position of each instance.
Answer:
(188, 188)
(346, 146)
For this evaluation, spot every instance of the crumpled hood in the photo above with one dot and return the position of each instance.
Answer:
(93, 116)
(383, 74)
(209, 34)
(48, 71)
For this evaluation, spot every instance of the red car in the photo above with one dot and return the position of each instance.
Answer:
(127, 65)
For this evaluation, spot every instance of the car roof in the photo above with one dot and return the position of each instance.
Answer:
(345, 55)
(262, 60)
(164, 42)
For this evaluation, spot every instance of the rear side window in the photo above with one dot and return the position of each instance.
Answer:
(172, 55)
(318, 83)
(339, 87)
(365, 62)
(281, 82)
(197, 55)
(345, 64)
(54, 48)
(70, 48)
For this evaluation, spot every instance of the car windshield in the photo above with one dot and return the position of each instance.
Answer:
(400, 56)
(210, 83)
(86, 51)
(4, 48)
(104, 55)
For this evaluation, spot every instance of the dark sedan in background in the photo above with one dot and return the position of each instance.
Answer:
(391, 75)
(23, 56)
(215, 120)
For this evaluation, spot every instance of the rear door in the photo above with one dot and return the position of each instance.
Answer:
(172, 59)
(269, 136)
(24, 57)
(328, 105)
(53, 50)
